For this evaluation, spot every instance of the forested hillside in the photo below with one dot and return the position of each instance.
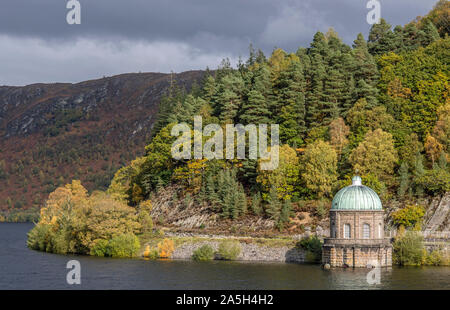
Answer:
(53, 133)
(379, 108)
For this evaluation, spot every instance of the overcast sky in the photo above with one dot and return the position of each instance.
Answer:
(119, 36)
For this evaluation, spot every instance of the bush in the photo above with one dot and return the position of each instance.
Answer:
(434, 258)
(101, 248)
(408, 249)
(151, 253)
(229, 250)
(126, 245)
(203, 253)
(313, 247)
(166, 248)
(409, 216)
(39, 238)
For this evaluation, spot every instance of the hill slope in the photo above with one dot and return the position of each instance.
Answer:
(52, 133)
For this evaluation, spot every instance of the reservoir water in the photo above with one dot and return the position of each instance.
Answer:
(22, 268)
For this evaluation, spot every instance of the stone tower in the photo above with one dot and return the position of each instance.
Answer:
(356, 229)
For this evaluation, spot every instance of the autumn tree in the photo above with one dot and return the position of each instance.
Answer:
(442, 128)
(375, 155)
(433, 148)
(319, 167)
(338, 135)
(284, 177)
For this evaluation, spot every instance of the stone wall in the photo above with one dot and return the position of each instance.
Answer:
(356, 220)
(250, 252)
(356, 256)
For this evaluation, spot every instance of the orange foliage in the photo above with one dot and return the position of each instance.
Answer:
(166, 248)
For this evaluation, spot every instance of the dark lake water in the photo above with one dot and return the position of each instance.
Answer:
(21, 268)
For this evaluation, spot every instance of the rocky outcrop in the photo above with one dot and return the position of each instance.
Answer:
(437, 216)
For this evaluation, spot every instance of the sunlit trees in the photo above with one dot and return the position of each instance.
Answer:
(319, 168)
(376, 155)
(73, 222)
(284, 177)
(338, 135)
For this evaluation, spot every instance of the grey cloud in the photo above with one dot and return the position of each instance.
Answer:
(131, 35)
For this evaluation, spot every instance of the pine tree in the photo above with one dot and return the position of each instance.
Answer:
(443, 161)
(255, 109)
(419, 172)
(285, 214)
(430, 34)
(366, 72)
(256, 204)
(404, 179)
(291, 99)
(273, 209)
(229, 98)
(381, 39)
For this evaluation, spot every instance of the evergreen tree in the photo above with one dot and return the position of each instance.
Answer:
(381, 39)
(285, 214)
(404, 180)
(292, 102)
(229, 98)
(419, 172)
(255, 109)
(430, 34)
(366, 72)
(273, 209)
(256, 204)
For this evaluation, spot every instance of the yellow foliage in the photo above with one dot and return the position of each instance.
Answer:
(166, 248)
(375, 155)
(145, 205)
(280, 61)
(147, 251)
(433, 148)
(191, 174)
(122, 178)
(320, 166)
(63, 198)
(284, 177)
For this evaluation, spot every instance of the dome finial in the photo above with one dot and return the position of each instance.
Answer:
(356, 180)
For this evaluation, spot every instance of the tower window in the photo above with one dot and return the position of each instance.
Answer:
(366, 231)
(379, 230)
(347, 234)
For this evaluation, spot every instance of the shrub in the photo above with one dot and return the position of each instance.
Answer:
(166, 248)
(229, 250)
(409, 216)
(39, 237)
(146, 221)
(101, 248)
(125, 245)
(313, 247)
(151, 253)
(408, 249)
(203, 253)
(434, 258)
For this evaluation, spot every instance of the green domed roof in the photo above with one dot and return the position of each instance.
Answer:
(356, 197)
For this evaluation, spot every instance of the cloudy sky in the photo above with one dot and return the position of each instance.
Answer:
(119, 36)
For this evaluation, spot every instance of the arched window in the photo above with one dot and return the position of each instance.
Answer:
(379, 231)
(347, 234)
(366, 231)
